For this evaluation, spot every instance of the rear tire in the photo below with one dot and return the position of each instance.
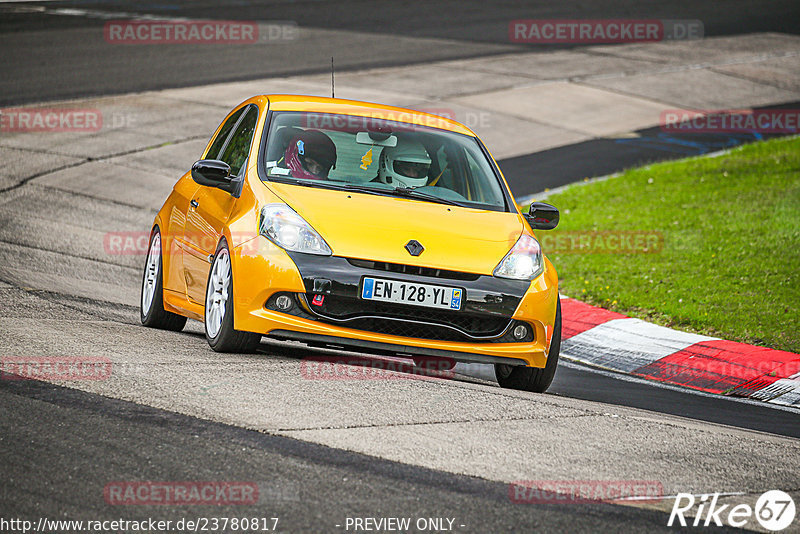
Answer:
(218, 314)
(536, 379)
(151, 302)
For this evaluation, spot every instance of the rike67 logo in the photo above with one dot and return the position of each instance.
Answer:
(774, 510)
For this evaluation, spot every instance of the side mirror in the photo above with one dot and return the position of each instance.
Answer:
(213, 173)
(542, 216)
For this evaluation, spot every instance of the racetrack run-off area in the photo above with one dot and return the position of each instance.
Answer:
(613, 341)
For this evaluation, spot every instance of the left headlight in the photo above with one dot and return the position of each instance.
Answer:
(283, 226)
(524, 260)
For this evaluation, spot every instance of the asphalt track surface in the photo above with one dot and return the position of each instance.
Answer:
(563, 165)
(66, 56)
(60, 446)
(310, 488)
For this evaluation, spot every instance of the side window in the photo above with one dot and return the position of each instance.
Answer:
(219, 141)
(237, 149)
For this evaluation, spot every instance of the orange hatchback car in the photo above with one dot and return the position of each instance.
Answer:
(356, 225)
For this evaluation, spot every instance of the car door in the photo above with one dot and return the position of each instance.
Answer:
(185, 191)
(210, 207)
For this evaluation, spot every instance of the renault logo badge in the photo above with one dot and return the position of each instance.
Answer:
(414, 247)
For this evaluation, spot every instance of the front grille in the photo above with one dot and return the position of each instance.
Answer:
(412, 269)
(388, 318)
(395, 327)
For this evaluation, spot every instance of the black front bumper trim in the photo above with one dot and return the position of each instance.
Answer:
(391, 349)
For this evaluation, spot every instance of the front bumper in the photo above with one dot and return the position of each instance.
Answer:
(480, 332)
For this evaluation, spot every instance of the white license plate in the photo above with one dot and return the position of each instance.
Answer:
(448, 298)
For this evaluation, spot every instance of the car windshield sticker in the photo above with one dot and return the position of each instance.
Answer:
(366, 160)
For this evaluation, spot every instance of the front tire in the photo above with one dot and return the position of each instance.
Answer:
(536, 379)
(151, 303)
(218, 315)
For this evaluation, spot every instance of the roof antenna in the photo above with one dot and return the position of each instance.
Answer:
(332, 77)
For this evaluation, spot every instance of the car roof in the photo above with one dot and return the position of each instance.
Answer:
(363, 109)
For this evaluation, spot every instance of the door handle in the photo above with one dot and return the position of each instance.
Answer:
(194, 204)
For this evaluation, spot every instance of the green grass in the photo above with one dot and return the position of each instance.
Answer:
(731, 251)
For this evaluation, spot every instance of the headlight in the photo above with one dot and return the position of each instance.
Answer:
(284, 227)
(524, 260)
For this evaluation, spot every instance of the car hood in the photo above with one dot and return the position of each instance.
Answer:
(375, 227)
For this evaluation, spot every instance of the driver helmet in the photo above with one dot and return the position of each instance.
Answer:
(311, 155)
(406, 164)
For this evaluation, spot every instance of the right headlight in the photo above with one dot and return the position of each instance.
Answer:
(284, 227)
(523, 262)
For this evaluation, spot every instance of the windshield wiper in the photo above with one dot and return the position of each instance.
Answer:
(407, 192)
(368, 189)
(324, 184)
(411, 193)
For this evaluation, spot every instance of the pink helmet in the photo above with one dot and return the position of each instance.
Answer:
(315, 146)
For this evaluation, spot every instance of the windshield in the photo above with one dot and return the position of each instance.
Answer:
(378, 156)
